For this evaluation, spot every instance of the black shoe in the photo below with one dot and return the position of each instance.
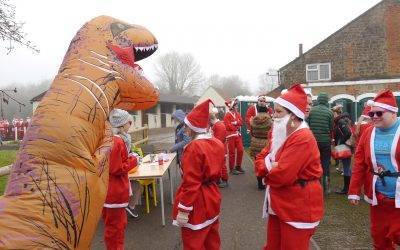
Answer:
(261, 186)
(235, 172)
(132, 212)
(239, 169)
(222, 184)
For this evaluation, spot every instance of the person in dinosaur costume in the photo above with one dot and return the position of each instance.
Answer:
(58, 183)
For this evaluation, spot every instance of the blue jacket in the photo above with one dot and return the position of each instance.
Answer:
(181, 139)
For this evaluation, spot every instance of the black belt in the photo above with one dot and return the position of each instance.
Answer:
(303, 182)
(209, 182)
(386, 173)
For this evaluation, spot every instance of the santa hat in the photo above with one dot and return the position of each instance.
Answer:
(230, 103)
(198, 119)
(384, 99)
(295, 100)
(365, 111)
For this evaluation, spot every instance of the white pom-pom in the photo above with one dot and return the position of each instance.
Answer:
(370, 103)
(284, 91)
(214, 110)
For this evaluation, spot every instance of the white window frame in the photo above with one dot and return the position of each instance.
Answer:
(318, 71)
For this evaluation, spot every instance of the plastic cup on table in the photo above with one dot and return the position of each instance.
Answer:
(160, 159)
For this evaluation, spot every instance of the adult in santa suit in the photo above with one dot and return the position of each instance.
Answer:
(233, 122)
(119, 189)
(198, 200)
(376, 168)
(253, 110)
(218, 130)
(291, 168)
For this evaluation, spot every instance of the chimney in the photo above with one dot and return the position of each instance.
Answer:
(300, 49)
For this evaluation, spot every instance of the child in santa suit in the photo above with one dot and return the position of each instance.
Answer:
(376, 168)
(291, 169)
(119, 189)
(218, 130)
(233, 122)
(198, 200)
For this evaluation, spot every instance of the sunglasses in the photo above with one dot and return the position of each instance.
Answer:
(377, 113)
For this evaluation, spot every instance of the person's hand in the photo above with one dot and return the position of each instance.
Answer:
(248, 131)
(182, 218)
(274, 164)
(354, 202)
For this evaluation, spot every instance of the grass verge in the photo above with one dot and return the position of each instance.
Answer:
(7, 157)
(344, 226)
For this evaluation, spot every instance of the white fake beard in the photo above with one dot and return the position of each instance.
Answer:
(279, 134)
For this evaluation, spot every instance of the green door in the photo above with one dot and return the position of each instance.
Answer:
(348, 106)
(243, 106)
(398, 104)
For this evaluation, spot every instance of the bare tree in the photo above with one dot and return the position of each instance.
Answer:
(11, 30)
(268, 81)
(230, 86)
(178, 73)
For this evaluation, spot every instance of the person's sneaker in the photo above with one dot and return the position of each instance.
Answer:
(239, 169)
(132, 212)
(234, 172)
(222, 184)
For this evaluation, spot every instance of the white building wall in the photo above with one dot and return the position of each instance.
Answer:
(212, 94)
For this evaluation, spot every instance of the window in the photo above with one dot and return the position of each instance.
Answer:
(318, 72)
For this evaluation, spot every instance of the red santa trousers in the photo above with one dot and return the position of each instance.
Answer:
(235, 144)
(281, 235)
(385, 223)
(203, 239)
(224, 171)
(114, 227)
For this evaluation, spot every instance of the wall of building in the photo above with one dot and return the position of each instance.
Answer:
(367, 48)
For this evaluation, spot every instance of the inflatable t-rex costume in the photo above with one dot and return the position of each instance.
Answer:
(58, 183)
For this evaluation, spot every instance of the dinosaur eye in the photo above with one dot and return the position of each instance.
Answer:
(117, 28)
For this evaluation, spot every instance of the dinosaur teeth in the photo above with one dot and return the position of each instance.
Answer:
(146, 48)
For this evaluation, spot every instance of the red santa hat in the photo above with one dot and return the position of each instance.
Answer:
(384, 99)
(198, 119)
(365, 111)
(231, 103)
(295, 100)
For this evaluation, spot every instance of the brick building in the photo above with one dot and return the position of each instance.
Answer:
(353, 63)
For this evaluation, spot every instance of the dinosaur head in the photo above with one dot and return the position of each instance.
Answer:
(130, 44)
(112, 46)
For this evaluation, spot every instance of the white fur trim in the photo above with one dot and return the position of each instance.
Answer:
(383, 105)
(353, 197)
(368, 200)
(396, 167)
(194, 128)
(118, 205)
(203, 136)
(374, 165)
(290, 106)
(232, 135)
(303, 225)
(185, 207)
(268, 163)
(197, 226)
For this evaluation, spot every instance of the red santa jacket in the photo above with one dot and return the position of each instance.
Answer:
(295, 193)
(118, 182)
(219, 131)
(365, 164)
(233, 122)
(198, 193)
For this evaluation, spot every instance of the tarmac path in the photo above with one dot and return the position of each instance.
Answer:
(241, 225)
